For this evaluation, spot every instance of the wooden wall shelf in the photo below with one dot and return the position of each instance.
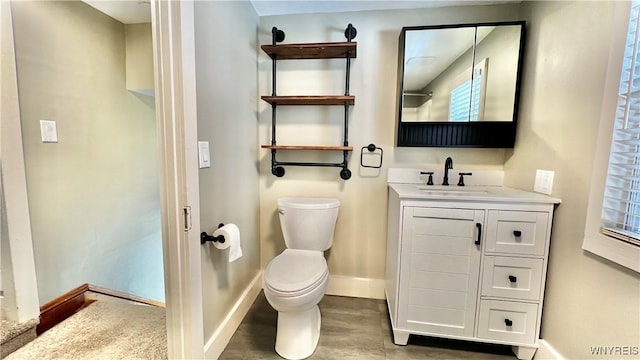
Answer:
(333, 50)
(336, 50)
(310, 100)
(307, 147)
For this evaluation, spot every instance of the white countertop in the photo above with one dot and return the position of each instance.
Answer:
(469, 193)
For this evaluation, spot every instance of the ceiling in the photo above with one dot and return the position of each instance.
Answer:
(125, 11)
(139, 11)
(285, 7)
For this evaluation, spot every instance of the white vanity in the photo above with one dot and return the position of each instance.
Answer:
(467, 263)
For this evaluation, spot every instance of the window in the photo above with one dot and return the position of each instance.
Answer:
(612, 228)
(462, 107)
(621, 203)
(467, 97)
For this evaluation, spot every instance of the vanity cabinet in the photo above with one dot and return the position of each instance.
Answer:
(468, 268)
(439, 282)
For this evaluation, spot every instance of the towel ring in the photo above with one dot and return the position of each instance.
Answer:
(371, 148)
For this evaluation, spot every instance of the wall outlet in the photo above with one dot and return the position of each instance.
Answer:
(48, 131)
(544, 181)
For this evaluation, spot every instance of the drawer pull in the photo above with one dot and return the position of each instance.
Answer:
(517, 233)
(508, 322)
(479, 226)
(513, 278)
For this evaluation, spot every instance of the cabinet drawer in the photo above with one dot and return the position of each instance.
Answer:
(507, 321)
(510, 277)
(517, 232)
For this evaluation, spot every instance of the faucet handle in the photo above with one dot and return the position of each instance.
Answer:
(461, 181)
(430, 173)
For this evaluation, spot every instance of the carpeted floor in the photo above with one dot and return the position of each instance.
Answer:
(103, 330)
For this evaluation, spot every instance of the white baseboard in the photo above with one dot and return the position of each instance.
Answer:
(547, 352)
(355, 287)
(221, 337)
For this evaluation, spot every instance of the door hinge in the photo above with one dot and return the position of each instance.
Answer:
(187, 218)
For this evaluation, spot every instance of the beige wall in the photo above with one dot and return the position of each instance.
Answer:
(360, 237)
(139, 57)
(93, 196)
(225, 45)
(589, 301)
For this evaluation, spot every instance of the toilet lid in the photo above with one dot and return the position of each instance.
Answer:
(295, 270)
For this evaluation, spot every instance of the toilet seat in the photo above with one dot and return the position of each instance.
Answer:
(296, 272)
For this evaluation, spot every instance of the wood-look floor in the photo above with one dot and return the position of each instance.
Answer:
(352, 328)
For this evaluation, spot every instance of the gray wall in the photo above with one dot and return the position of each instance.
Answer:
(93, 196)
(226, 84)
(589, 301)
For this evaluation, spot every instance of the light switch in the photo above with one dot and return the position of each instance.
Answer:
(544, 181)
(204, 159)
(48, 131)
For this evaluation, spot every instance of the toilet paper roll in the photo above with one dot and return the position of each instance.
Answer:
(231, 235)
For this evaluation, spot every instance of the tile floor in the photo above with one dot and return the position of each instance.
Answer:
(352, 328)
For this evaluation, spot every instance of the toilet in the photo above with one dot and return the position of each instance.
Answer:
(295, 280)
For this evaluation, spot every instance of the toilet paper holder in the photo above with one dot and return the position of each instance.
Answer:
(204, 237)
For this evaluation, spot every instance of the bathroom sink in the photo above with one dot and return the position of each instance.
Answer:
(451, 190)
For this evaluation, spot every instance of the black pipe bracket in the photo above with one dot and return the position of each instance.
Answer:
(204, 237)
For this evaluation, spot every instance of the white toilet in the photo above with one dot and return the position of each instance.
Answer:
(295, 281)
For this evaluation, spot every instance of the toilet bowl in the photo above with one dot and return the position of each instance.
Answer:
(295, 280)
(295, 294)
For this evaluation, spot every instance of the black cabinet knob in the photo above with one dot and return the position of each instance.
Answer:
(517, 233)
(508, 322)
(513, 278)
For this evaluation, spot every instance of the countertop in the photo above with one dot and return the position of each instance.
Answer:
(469, 193)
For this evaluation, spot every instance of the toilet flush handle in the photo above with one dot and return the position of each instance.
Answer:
(281, 211)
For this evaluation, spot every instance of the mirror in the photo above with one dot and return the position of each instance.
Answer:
(458, 84)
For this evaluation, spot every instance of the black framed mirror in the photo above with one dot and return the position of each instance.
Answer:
(458, 85)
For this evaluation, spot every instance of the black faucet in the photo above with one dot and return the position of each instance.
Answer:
(448, 164)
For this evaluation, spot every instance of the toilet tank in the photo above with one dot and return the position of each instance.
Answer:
(308, 223)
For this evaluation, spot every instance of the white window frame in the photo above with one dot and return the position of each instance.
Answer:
(466, 76)
(620, 252)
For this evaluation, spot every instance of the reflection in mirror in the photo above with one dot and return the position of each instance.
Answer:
(460, 74)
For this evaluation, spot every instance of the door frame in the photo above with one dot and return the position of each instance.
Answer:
(24, 303)
(175, 88)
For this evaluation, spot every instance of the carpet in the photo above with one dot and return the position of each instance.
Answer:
(103, 330)
(15, 335)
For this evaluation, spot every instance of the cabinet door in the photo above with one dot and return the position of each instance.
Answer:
(439, 270)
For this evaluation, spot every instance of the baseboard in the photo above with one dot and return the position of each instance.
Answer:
(547, 352)
(124, 296)
(221, 337)
(355, 287)
(60, 308)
